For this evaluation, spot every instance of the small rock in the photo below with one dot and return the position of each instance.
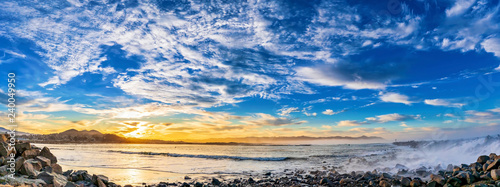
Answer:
(345, 181)
(326, 181)
(215, 181)
(187, 178)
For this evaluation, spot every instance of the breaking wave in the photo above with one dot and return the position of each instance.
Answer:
(209, 156)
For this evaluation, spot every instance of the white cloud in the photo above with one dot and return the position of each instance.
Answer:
(492, 45)
(443, 102)
(323, 77)
(392, 117)
(330, 112)
(286, 111)
(262, 119)
(392, 97)
(459, 7)
(348, 123)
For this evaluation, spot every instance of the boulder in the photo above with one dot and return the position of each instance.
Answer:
(494, 165)
(485, 166)
(405, 181)
(470, 178)
(52, 178)
(345, 181)
(67, 173)
(495, 174)
(476, 166)
(384, 183)
(19, 162)
(3, 170)
(29, 154)
(56, 168)
(35, 163)
(438, 179)
(80, 175)
(100, 183)
(326, 182)
(493, 155)
(385, 176)
(47, 154)
(5, 151)
(22, 146)
(44, 161)
(27, 169)
(483, 159)
(454, 181)
(434, 184)
(415, 183)
(103, 178)
(3, 138)
(70, 184)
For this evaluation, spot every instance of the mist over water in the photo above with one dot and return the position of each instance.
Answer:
(153, 163)
(432, 155)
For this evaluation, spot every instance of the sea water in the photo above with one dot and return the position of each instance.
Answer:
(154, 163)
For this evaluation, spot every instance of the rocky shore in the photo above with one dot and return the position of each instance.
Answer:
(38, 167)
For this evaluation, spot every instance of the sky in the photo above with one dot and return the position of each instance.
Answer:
(194, 70)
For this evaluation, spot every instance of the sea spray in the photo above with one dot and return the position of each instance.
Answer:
(431, 156)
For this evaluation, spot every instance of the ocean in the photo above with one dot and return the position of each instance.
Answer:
(154, 163)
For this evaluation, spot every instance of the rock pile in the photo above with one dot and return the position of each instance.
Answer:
(38, 167)
(485, 172)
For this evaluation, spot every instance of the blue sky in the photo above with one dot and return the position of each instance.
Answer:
(181, 70)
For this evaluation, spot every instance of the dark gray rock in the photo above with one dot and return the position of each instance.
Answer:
(215, 181)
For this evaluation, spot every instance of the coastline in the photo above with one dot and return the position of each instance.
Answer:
(38, 167)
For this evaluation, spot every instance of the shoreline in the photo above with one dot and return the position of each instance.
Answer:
(38, 167)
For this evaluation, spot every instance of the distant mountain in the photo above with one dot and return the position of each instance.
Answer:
(4, 130)
(93, 136)
(90, 136)
(74, 132)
